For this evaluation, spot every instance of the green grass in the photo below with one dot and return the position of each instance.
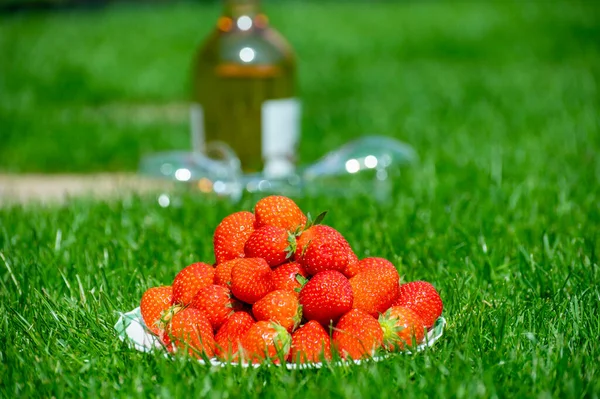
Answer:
(502, 214)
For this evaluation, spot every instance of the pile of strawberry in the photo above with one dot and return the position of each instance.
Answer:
(285, 289)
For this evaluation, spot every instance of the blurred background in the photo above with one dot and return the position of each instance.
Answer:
(91, 86)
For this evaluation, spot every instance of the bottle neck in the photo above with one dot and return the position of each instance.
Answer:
(238, 8)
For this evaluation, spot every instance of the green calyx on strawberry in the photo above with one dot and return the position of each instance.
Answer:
(402, 328)
(155, 302)
(266, 340)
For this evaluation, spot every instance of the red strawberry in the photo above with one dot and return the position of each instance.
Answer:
(279, 211)
(251, 279)
(326, 296)
(423, 298)
(376, 287)
(231, 235)
(191, 329)
(400, 326)
(310, 343)
(322, 248)
(155, 302)
(223, 272)
(216, 302)
(285, 277)
(273, 244)
(353, 268)
(229, 336)
(280, 306)
(357, 335)
(266, 340)
(190, 280)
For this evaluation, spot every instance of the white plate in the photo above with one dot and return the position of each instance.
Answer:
(131, 329)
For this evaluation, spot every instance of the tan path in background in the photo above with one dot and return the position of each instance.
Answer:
(23, 188)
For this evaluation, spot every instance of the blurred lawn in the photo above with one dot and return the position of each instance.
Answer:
(92, 91)
(502, 215)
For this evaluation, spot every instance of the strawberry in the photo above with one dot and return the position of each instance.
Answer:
(400, 326)
(357, 335)
(286, 276)
(376, 287)
(191, 329)
(273, 244)
(155, 302)
(229, 336)
(251, 279)
(423, 298)
(310, 343)
(223, 272)
(231, 235)
(353, 268)
(280, 306)
(266, 340)
(190, 280)
(326, 296)
(279, 211)
(322, 248)
(216, 302)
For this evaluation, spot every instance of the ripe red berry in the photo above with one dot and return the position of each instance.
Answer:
(279, 211)
(229, 337)
(216, 302)
(273, 244)
(223, 272)
(326, 297)
(310, 343)
(155, 302)
(266, 340)
(280, 306)
(190, 329)
(321, 248)
(231, 236)
(353, 268)
(190, 280)
(423, 299)
(402, 328)
(287, 276)
(375, 287)
(357, 335)
(251, 279)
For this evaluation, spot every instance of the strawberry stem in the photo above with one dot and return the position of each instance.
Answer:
(310, 222)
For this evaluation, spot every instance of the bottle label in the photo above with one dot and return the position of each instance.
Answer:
(280, 133)
(197, 127)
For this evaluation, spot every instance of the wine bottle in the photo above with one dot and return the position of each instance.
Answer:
(244, 80)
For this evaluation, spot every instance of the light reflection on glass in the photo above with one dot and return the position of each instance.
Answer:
(183, 174)
(386, 160)
(219, 187)
(371, 161)
(247, 54)
(264, 185)
(164, 200)
(205, 185)
(352, 165)
(224, 24)
(217, 170)
(166, 169)
(252, 186)
(244, 22)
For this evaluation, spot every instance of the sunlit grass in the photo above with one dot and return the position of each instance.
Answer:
(500, 100)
